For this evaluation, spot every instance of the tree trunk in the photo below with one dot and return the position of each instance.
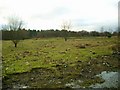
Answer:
(65, 38)
(15, 44)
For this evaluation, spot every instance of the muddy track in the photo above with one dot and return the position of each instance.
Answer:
(63, 73)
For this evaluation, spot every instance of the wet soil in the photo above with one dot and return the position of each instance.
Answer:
(111, 80)
(61, 74)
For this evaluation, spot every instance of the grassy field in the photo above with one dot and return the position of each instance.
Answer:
(53, 53)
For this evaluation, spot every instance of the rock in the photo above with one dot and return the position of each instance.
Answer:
(32, 78)
(104, 63)
(71, 80)
(65, 66)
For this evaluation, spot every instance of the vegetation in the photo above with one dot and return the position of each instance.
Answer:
(28, 34)
(66, 26)
(14, 25)
(58, 60)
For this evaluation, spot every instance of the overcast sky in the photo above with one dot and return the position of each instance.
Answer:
(49, 14)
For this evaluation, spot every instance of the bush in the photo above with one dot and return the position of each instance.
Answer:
(109, 36)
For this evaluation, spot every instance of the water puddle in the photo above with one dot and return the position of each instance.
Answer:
(111, 80)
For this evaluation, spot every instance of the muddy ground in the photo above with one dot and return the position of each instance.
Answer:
(63, 73)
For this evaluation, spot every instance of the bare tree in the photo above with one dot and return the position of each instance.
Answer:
(15, 24)
(110, 30)
(102, 29)
(65, 27)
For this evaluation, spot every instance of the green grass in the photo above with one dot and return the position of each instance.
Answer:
(33, 53)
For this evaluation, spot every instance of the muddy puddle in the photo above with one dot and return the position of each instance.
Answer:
(111, 80)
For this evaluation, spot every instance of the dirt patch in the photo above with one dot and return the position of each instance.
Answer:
(61, 74)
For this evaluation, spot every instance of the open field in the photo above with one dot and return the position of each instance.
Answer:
(53, 62)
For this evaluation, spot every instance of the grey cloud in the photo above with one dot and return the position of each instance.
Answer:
(57, 12)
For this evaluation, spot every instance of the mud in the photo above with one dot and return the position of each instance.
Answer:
(68, 75)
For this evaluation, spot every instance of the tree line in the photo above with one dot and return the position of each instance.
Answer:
(28, 34)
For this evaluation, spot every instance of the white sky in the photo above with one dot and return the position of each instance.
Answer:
(49, 14)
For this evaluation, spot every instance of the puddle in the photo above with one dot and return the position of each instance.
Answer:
(111, 80)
